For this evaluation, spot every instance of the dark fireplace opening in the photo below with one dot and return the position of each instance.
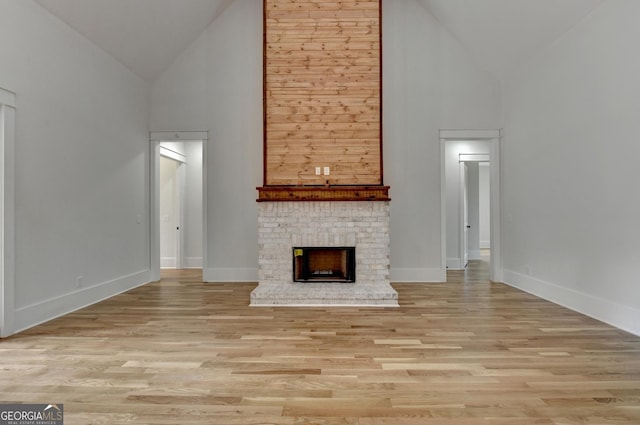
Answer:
(325, 264)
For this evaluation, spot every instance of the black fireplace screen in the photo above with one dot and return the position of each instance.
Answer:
(324, 264)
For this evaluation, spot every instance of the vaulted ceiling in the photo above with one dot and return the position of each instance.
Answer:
(147, 35)
(501, 34)
(144, 35)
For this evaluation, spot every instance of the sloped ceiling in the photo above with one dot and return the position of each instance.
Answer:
(147, 35)
(144, 35)
(501, 34)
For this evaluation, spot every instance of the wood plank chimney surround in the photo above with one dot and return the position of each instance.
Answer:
(323, 174)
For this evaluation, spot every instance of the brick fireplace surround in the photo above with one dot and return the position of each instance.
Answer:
(323, 169)
(361, 224)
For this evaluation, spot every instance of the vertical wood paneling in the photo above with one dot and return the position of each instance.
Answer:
(322, 92)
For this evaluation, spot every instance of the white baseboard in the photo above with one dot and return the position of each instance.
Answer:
(43, 311)
(485, 244)
(418, 275)
(193, 262)
(230, 275)
(618, 315)
(475, 254)
(454, 264)
(168, 262)
(189, 263)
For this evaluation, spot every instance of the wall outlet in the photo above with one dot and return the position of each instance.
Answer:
(318, 173)
(326, 171)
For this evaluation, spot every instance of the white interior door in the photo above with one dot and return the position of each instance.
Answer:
(464, 202)
(170, 213)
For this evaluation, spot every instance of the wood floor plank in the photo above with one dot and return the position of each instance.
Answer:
(468, 352)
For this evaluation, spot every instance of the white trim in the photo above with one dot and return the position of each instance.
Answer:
(44, 311)
(480, 134)
(219, 275)
(474, 157)
(454, 264)
(413, 275)
(495, 176)
(168, 262)
(166, 136)
(485, 244)
(618, 315)
(192, 263)
(7, 212)
(475, 254)
(171, 154)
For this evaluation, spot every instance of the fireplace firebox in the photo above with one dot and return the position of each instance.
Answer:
(324, 264)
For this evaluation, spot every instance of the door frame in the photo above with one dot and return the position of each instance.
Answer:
(495, 177)
(155, 137)
(7, 211)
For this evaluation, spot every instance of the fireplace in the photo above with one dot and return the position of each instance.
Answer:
(324, 227)
(324, 264)
(323, 196)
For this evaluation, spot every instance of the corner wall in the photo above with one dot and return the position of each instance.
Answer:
(81, 227)
(571, 203)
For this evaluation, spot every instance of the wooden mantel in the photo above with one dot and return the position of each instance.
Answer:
(322, 100)
(311, 193)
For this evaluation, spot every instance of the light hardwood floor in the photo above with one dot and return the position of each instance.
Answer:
(467, 352)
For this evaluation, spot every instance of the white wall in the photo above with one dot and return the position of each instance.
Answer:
(216, 85)
(484, 219)
(81, 166)
(193, 206)
(430, 82)
(570, 152)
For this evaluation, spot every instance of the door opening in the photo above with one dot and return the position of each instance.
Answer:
(178, 201)
(470, 199)
(7, 211)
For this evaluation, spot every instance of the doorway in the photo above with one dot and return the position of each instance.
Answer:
(7, 211)
(470, 199)
(178, 201)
